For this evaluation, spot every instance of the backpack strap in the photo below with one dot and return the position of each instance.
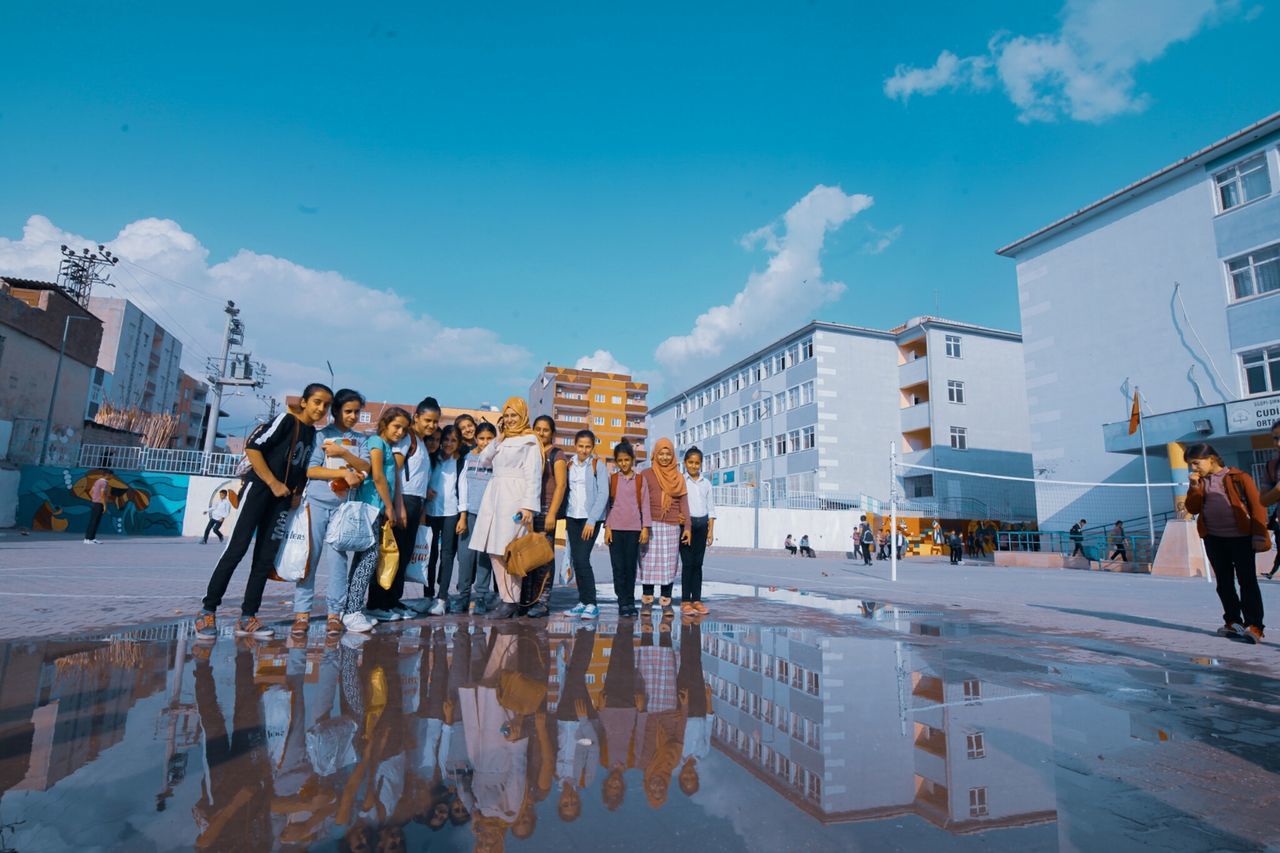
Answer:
(613, 485)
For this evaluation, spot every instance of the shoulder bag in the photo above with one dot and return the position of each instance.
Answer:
(527, 552)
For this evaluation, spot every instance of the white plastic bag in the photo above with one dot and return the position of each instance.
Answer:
(351, 528)
(331, 745)
(564, 571)
(417, 569)
(293, 559)
(277, 710)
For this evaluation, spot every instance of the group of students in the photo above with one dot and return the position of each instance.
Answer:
(478, 487)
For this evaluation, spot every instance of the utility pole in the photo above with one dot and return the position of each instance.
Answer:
(232, 369)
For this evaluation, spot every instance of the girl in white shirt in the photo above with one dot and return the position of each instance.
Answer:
(702, 518)
(443, 502)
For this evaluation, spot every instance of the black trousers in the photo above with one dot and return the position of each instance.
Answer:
(691, 683)
(95, 516)
(691, 557)
(866, 553)
(406, 538)
(622, 684)
(575, 679)
(261, 520)
(1233, 562)
(580, 557)
(1079, 549)
(444, 547)
(215, 527)
(436, 523)
(536, 586)
(624, 557)
(957, 553)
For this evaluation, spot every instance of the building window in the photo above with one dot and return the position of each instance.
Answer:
(615, 422)
(783, 673)
(955, 391)
(1261, 370)
(598, 420)
(780, 445)
(959, 438)
(808, 438)
(977, 802)
(806, 348)
(779, 402)
(1243, 182)
(918, 487)
(806, 393)
(812, 684)
(975, 746)
(1255, 273)
(972, 690)
(365, 418)
(793, 397)
(953, 346)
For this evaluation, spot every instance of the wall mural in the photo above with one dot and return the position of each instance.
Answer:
(138, 502)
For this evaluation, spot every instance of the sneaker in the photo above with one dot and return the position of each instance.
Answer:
(458, 606)
(381, 615)
(627, 611)
(404, 612)
(590, 612)
(92, 542)
(419, 606)
(687, 608)
(301, 622)
(538, 611)
(358, 622)
(1231, 629)
(437, 607)
(354, 639)
(333, 625)
(252, 626)
(700, 608)
(480, 608)
(206, 626)
(1253, 634)
(505, 610)
(577, 609)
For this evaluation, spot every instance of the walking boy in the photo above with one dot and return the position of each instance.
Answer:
(217, 514)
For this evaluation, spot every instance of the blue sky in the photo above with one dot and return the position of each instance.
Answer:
(536, 186)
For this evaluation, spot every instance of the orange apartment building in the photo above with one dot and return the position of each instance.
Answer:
(609, 404)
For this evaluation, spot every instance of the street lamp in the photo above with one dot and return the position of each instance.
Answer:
(53, 396)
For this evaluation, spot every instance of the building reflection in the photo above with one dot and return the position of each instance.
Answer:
(484, 732)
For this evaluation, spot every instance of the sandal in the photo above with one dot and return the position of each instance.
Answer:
(333, 626)
(665, 602)
(646, 600)
(301, 622)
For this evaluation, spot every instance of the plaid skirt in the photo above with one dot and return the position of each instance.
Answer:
(661, 557)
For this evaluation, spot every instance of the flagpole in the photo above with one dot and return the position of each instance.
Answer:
(1146, 476)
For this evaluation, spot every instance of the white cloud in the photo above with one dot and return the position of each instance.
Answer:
(603, 361)
(783, 294)
(1085, 71)
(296, 318)
(881, 239)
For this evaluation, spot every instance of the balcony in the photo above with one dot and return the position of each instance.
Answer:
(931, 740)
(915, 418)
(562, 402)
(926, 687)
(913, 372)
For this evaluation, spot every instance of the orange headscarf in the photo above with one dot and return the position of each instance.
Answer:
(522, 409)
(669, 477)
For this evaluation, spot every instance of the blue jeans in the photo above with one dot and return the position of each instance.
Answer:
(335, 564)
(475, 572)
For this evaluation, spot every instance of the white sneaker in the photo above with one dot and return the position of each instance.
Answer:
(405, 613)
(382, 615)
(419, 605)
(437, 607)
(358, 622)
(92, 542)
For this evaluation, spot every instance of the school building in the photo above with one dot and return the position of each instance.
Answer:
(611, 405)
(812, 415)
(1168, 284)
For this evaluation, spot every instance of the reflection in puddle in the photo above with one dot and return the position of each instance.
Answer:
(482, 735)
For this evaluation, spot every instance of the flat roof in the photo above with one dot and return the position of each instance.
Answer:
(1217, 149)
(843, 328)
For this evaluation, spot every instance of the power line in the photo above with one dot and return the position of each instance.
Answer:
(195, 340)
(174, 281)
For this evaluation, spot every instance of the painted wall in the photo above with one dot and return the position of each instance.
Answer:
(141, 502)
(201, 494)
(828, 530)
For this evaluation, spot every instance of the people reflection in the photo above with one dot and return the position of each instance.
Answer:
(695, 700)
(233, 810)
(662, 743)
(622, 716)
(576, 729)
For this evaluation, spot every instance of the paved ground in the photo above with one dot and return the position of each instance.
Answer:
(57, 585)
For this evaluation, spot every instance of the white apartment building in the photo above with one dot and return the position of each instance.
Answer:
(140, 362)
(814, 414)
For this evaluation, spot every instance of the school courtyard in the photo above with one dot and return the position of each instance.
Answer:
(819, 706)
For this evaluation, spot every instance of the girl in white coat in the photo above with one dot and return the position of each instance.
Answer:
(513, 496)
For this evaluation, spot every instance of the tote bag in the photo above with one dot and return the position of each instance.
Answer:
(417, 570)
(293, 558)
(388, 557)
(351, 527)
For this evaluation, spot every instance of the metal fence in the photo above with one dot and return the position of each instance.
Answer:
(159, 459)
(1135, 548)
(745, 496)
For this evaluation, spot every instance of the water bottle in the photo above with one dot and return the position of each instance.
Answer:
(518, 517)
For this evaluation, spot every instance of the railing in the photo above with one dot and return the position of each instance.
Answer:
(745, 496)
(160, 459)
(1138, 547)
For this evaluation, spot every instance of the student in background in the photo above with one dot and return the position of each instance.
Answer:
(790, 544)
(702, 523)
(414, 461)
(443, 506)
(278, 455)
(584, 512)
(475, 572)
(805, 550)
(217, 514)
(98, 496)
(626, 525)
(1232, 523)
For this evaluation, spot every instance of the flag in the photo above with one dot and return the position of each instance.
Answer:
(1135, 415)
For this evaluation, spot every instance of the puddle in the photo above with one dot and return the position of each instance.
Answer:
(861, 731)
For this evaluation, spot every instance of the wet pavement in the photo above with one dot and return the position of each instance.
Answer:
(781, 721)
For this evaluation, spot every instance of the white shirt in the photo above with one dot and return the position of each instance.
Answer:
(417, 468)
(444, 479)
(577, 488)
(220, 510)
(701, 501)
